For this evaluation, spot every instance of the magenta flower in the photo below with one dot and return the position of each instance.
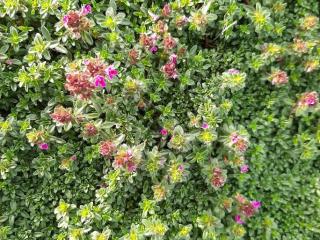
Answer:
(100, 81)
(205, 126)
(164, 132)
(111, 72)
(43, 146)
(153, 49)
(86, 9)
(65, 19)
(244, 168)
(238, 219)
(256, 204)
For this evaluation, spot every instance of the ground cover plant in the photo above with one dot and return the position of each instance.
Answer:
(159, 120)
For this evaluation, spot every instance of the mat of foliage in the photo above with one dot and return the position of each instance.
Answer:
(150, 120)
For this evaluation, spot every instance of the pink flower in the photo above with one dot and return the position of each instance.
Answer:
(173, 58)
(238, 219)
(73, 157)
(65, 19)
(181, 168)
(233, 71)
(234, 137)
(153, 49)
(100, 81)
(205, 125)
(153, 16)
(111, 72)
(244, 168)
(256, 204)
(131, 166)
(311, 100)
(308, 99)
(86, 9)
(43, 146)
(164, 132)
(128, 156)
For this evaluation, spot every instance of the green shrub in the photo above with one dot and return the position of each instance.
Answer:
(151, 120)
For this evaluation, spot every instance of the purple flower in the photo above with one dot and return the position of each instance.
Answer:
(86, 9)
(205, 125)
(238, 219)
(153, 49)
(244, 168)
(233, 71)
(43, 146)
(164, 132)
(256, 204)
(100, 81)
(111, 72)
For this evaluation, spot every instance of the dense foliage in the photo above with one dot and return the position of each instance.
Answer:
(149, 120)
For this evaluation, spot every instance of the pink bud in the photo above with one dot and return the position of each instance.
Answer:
(164, 132)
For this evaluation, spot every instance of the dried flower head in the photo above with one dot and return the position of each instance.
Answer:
(62, 115)
(79, 84)
(278, 77)
(107, 148)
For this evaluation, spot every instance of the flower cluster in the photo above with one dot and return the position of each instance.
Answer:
(62, 115)
(76, 21)
(107, 148)
(93, 74)
(238, 142)
(79, 84)
(307, 101)
(246, 209)
(278, 77)
(218, 178)
(169, 69)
